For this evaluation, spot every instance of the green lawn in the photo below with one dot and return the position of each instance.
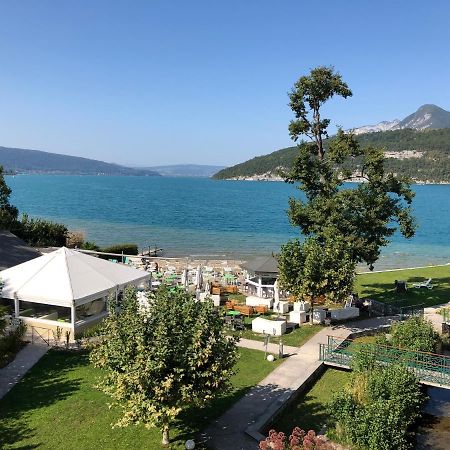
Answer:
(56, 407)
(380, 286)
(309, 411)
(295, 338)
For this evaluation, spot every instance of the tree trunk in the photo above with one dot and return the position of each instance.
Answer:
(165, 435)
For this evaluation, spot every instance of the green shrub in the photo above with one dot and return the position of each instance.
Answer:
(40, 232)
(90, 246)
(127, 249)
(416, 334)
(378, 408)
(10, 344)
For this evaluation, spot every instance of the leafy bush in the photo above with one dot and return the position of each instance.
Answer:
(416, 334)
(379, 406)
(10, 344)
(40, 232)
(298, 440)
(127, 249)
(90, 246)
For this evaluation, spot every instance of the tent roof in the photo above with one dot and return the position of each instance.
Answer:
(14, 251)
(262, 265)
(66, 277)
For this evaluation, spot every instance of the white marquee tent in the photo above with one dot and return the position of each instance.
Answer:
(66, 279)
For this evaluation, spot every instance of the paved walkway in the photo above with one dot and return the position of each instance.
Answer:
(271, 348)
(23, 362)
(238, 428)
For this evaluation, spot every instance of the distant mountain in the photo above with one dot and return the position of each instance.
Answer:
(35, 161)
(429, 117)
(186, 170)
(422, 155)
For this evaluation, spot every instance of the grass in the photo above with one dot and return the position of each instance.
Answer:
(294, 338)
(380, 286)
(56, 406)
(310, 410)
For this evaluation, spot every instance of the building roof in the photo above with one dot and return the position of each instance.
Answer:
(66, 277)
(262, 265)
(14, 251)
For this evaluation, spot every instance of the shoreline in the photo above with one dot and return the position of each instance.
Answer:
(268, 178)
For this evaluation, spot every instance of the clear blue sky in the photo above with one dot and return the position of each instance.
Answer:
(155, 82)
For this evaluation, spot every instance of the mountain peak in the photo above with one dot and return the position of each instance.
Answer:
(428, 116)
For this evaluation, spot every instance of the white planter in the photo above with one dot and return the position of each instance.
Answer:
(252, 300)
(302, 306)
(319, 315)
(281, 307)
(215, 298)
(297, 317)
(344, 313)
(272, 327)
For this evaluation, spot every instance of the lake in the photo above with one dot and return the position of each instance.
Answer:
(200, 216)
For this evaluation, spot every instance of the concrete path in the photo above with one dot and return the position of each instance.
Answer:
(239, 428)
(23, 362)
(271, 348)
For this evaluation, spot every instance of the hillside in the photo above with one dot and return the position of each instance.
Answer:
(186, 170)
(35, 161)
(423, 155)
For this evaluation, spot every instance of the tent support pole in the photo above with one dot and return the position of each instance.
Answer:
(16, 307)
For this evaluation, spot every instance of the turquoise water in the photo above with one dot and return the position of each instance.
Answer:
(196, 216)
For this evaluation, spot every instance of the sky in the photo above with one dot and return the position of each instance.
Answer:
(146, 83)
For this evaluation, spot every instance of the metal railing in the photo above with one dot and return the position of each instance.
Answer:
(43, 335)
(428, 367)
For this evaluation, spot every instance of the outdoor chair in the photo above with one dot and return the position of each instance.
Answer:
(229, 321)
(238, 323)
(425, 284)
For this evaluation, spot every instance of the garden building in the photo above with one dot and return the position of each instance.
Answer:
(262, 273)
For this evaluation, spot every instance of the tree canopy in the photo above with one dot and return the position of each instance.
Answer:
(366, 215)
(160, 358)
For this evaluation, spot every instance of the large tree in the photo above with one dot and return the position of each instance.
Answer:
(365, 215)
(164, 357)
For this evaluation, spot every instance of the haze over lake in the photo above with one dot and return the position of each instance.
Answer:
(199, 216)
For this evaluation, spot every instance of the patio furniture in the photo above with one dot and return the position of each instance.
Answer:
(238, 323)
(261, 309)
(425, 284)
(244, 309)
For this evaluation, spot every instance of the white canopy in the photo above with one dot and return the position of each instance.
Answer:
(66, 277)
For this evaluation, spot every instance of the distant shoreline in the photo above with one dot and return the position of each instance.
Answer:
(263, 178)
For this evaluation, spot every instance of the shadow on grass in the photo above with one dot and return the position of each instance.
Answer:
(254, 403)
(45, 384)
(312, 415)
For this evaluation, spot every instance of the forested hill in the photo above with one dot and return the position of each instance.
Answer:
(35, 161)
(423, 155)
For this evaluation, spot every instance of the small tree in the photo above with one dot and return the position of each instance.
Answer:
(315, 269)
(8, 212)
(163, 358)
